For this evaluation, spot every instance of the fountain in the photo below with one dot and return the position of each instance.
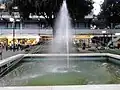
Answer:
(62, 68)
(62, 40)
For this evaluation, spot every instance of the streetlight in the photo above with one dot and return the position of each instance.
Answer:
(39, 25)
(13, 19)
(13, 25)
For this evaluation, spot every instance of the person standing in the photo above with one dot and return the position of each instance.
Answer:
(1, 52)
(84, 46)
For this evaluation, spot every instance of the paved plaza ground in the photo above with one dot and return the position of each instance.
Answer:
(44, 48)
(9, 53)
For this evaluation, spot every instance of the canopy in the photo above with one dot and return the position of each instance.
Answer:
(20, 36)
(84, 36)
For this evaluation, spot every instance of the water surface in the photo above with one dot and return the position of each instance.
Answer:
(53, 71)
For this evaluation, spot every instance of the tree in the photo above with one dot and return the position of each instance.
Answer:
(49, 8)
(46, 8)
(79, 8)
(111, 11)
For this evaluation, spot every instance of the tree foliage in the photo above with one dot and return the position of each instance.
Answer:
(111, 11)
(79, 8)
(49, 8)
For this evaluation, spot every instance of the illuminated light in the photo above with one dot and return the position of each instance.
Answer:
(117, 33)
(2, 6)
(84, 36)
(18, 20)
(103, 31)
(37, 39)
(11, 19)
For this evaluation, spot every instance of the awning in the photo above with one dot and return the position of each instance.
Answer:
(20, 36)
(83, 36)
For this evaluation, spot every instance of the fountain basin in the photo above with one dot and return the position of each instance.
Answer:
(51, 70)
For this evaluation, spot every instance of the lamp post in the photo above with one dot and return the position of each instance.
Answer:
(13, 31)
(39, 25)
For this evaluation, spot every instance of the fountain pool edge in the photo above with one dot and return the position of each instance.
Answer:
(18, 57)
(8, 63)
(75, 87)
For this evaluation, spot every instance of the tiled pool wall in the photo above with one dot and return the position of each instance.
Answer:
(87, 56)
(8, 63)
(107, 57)
(97, 56)
(114, 60)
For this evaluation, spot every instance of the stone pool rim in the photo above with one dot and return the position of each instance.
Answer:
(71, 87)
(107, 55)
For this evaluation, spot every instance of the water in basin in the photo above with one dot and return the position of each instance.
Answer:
(49, 71)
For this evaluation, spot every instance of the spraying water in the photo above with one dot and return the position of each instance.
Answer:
(63, 34)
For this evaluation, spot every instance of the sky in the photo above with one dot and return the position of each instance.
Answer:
(97, 7)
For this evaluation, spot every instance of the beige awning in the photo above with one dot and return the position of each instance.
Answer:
(83, 36)
(20, 36)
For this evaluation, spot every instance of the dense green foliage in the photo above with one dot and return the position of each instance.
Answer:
(111, 11)
(49, 8)
(79, 8)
